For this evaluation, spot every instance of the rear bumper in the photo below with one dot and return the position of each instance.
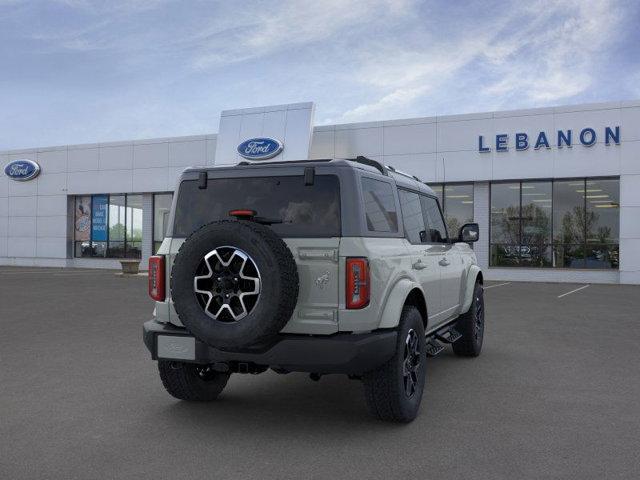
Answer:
(346, 353)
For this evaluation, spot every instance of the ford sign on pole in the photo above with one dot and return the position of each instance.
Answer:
(260, 148)
(22, 170)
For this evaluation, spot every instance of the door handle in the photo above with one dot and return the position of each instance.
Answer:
(418, 265)
(444, 262)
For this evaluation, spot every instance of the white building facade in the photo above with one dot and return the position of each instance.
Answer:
(556, 191)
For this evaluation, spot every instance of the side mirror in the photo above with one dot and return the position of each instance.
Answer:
(470, 232)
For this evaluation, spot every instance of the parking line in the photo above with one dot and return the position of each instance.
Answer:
(496, 285)
(573, 291)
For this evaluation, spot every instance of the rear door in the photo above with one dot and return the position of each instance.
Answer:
(425, 257)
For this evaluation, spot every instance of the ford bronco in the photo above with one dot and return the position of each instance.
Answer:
(320, 266)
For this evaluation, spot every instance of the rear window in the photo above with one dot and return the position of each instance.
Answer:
(304, 210)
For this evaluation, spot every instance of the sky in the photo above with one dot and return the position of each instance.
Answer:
(80, 71)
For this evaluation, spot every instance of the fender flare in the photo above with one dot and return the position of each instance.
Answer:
(395, 302)
(472, 276)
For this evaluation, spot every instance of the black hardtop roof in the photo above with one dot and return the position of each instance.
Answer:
(401, 179)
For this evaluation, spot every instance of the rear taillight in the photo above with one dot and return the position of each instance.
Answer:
(156, 278)
(358, 286)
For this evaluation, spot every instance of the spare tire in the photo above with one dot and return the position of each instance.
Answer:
(234, 284)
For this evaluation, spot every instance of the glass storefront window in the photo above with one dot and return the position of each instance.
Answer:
(563, 224)
(161, 209)
(134, 226)
(505, 224)
(458, 206)
(456, 201)
(117, 219)
(569, 223)
(603, 223)
(82, 226)
(108, 226)
(536, 200)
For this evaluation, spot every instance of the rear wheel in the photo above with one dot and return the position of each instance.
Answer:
(188, 381)
(471, 326)
(394, 391)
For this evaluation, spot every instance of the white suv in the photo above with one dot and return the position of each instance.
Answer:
(323, 266)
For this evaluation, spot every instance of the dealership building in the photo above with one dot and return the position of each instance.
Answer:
(556, 191)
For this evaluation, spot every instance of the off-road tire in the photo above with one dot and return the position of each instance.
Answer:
(279, 284)
(188, 381)
(471, 326)
(384, 388)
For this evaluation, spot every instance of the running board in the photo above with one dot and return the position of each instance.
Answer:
(434, 348)
(447, 334)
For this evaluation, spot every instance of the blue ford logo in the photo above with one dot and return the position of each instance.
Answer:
(260, 148)
(22, 170)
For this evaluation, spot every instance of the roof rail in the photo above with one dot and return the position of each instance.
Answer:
(372, 163)
(404, 174)
(244, 163)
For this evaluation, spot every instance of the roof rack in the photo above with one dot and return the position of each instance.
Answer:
(277, 162)
(404, 174)
(372, 163)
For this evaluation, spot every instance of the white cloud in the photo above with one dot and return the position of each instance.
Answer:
(550, 61)
(544, 52)
(254, 33)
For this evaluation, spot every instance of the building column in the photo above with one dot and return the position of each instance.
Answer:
(629, 229)
(481, 215)
(147, 229)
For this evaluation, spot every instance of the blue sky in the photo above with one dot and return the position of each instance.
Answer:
(77, 71)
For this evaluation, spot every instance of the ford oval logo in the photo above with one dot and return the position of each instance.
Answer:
(260, 148)
(22, 170)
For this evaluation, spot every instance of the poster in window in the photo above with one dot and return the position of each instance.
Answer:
(83, 219)
(99, 218)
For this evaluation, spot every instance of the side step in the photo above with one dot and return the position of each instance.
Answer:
(449, 335)
(446, 335)
(434, 348)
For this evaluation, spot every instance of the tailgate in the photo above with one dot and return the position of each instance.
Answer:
(318, 271)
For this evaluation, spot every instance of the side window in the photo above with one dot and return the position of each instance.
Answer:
(412, 217)
(380, 206)
(436, 231)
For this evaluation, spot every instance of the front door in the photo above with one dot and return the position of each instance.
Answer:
(451, 269)
(441, 251)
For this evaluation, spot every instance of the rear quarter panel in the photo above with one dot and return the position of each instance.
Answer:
(390, 272)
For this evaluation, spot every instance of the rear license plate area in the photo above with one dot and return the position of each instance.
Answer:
(176, 347)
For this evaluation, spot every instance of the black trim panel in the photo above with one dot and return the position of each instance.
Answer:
(345, 353)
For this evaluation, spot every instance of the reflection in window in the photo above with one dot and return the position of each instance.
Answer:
(134, 226)
(564, 224)
(380, 206)
(433, 218)
(82, 226)
(569, 223)
(535, 250)
(456, 200)
(412, 216)
(108, 226)
(505, 224)
(161, 210)
(117, 218)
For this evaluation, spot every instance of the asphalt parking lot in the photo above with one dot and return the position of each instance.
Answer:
(555, 394)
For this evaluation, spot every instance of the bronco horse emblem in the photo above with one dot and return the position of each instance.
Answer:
(322, 280)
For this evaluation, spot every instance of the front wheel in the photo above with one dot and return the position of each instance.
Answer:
(394, 391)
(471, 326)
(188, 381)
